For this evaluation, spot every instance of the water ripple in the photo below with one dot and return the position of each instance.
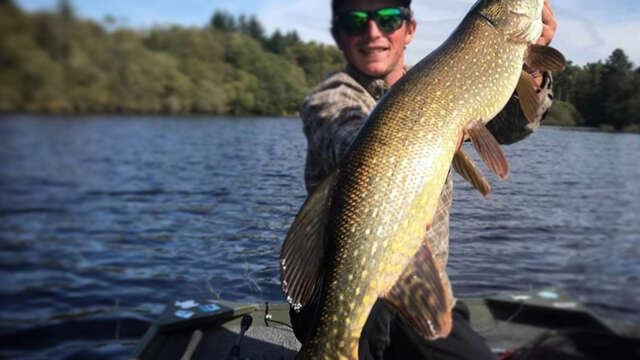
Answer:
(105, 219)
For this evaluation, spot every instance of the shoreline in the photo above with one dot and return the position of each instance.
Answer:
(633, 130)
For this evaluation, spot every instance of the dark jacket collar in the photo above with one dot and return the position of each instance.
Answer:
(374, 86)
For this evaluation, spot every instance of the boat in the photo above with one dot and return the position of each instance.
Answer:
(511, 323)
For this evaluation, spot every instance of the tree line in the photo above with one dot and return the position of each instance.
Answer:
(55, 62)
(601, 94)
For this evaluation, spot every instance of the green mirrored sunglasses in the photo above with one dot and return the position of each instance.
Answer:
(356, 22)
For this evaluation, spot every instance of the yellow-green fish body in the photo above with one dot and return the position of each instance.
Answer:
(360, 236)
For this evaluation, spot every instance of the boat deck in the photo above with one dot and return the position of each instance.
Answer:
(506, 321)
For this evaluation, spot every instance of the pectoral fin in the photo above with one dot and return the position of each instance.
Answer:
(489, 150)
(545, 58)
(470, 172)
(303, 249)
(420, 296)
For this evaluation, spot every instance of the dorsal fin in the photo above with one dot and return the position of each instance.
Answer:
(489, 150)
(302, 254)
(420, 296)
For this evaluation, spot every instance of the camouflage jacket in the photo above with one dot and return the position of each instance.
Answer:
(337, 108)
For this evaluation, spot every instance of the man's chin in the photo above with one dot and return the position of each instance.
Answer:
(375, 69)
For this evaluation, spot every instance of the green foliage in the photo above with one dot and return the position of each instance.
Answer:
(607, 95)
(223, 21)
(7, 3)
(55, 62)
(38, 84)
(316, 60)
(10, 17)
(563, 113)
(251, 27)
(619, 87)
(279, 43)
(65, 10)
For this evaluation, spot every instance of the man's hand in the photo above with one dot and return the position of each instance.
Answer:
(549, 26)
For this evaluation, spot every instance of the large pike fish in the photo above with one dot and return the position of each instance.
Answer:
(360, 235)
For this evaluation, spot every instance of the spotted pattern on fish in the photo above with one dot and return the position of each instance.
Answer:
(388, 187)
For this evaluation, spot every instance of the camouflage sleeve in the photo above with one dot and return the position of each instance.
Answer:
(510, 125)
(332, 116)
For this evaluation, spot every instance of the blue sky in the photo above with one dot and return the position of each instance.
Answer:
(588, 30)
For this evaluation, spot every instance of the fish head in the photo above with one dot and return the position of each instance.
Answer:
(518, 20)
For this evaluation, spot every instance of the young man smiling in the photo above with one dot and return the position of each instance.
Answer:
(375, 52)
(372, 35)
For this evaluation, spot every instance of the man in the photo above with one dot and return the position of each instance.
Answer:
(333, 114)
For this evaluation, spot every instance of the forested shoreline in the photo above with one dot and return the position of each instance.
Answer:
(604, 95)
(55, 62)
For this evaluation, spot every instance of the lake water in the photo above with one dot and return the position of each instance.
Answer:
(105, 219)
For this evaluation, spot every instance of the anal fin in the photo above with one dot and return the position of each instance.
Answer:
(302, 254)
(420, 296)
(489, 149)
(464, 166)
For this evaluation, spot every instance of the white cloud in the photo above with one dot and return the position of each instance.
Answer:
(578, 40)
(590, 35)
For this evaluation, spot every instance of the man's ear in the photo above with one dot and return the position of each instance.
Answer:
(336, 37)
(411, 30)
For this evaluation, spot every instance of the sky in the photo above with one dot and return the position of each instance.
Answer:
(588, 30)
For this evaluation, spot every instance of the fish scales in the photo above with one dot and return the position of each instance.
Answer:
(389, 183)
(419, 120)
